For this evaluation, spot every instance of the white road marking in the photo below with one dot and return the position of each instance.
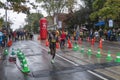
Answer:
(67, 60)
(95, 74)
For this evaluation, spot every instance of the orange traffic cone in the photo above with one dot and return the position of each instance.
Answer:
(47, 43)
(88, 39)
(57, 45)
(100, 44)
(94, 39)
(9, 43)
(79, 40)
(72, 38)
(92, 42)
(69, 44)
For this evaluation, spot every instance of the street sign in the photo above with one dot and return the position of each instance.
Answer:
(110, 23)
(60, 24)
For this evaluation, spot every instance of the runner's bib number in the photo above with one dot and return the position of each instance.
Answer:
(53, 40)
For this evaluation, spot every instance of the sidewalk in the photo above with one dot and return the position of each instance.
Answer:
(94, 48)
(113, 42)
(113, 46)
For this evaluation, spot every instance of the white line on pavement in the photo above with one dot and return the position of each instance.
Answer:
(67, 60)
(95, 74)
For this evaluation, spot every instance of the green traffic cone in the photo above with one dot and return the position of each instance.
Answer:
(21, 57)
(117, 58)
(5, 51)
(109, 57)
(98, 55)
(13, 52)
(25, 69)
(82, 50)
(18, 51)
(23, 62)
(89, 52)
(75, 47)
(20, 54)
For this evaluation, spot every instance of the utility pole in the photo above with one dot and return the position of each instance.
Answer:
(6, 4)
(56, 16)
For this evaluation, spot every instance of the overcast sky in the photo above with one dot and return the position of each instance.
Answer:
(18, 19)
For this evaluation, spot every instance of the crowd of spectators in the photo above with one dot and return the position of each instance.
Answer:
(14, 36)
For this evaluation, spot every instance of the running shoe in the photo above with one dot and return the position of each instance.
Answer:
(52, 61)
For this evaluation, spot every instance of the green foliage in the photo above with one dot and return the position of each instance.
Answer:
(106, 9)
(16, 5)
(27, 27)
(1, 4)
(1, 22)
(56, 6)
(77, 18)
(33, 22)
(17, 1)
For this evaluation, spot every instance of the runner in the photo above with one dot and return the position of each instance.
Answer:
(52, 40)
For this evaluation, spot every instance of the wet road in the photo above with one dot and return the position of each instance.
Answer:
(69, 64)
(41, 68)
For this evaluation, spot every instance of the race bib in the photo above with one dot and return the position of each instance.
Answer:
(53, 40)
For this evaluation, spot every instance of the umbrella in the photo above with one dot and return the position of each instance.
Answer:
(84, 28)
(101, 23)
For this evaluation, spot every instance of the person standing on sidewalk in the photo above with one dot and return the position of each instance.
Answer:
(118, 33)
(62, 39)
(96, 34)
(1, 38)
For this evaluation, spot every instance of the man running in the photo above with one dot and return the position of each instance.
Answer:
(52, 40)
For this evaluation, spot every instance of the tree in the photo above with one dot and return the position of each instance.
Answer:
(57, 6)
(33, 21)
(1, 22)
(106, 9)
(77, 18)
(1, 4)
(88, 9)
(16, 5)
(27, 27)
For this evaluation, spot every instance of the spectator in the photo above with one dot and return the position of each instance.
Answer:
(96, 34)
(101, 33)
(1, 38)
(109, 33)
